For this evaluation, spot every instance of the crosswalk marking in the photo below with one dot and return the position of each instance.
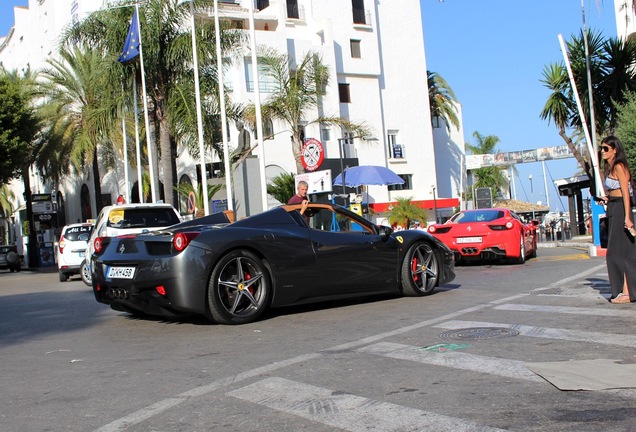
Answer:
(549, 333)
(347, 411)
(455, 359)
(567, 310)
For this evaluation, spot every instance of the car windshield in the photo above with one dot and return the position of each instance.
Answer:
(142, 218)
(478, 216)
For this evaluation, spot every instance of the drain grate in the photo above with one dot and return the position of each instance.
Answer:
(479, 333)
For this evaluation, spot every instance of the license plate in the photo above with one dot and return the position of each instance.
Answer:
(469, 240)
(120, 273)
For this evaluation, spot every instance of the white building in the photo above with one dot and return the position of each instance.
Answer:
(375, 51)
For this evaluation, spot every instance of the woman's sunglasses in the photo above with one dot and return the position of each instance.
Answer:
(605, 148)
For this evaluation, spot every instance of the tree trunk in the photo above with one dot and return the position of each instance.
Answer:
(573, 148)
(297, 148)
(167, 161)
(97, 183)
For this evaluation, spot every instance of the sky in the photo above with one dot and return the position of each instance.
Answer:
(492, 54)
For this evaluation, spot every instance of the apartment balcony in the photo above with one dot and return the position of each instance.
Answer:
(295, 12)
(362, 18)
(238, 16)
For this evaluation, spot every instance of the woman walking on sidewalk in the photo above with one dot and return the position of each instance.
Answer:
(621, 249)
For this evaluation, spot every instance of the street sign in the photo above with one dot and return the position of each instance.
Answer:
(312, 155)
(192, 202)
(317, 181)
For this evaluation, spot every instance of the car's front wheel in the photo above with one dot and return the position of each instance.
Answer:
(239, 290)
(85, 272)
(420, 270)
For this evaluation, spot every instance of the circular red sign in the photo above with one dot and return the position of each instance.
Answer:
(313, 153)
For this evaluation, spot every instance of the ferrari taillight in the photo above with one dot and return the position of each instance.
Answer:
(431, 229)
(509, 225)
(183, 239)
(98, 244)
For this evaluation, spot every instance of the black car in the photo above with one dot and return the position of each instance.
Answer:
(9, 258)
(233, 272)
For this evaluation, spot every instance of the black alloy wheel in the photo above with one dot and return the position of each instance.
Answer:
(420, 270)
(239, 290)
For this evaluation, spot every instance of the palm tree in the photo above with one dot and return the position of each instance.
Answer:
(442, 100)
(613, 76)
(282, 187)
(80, 109)
(297, 96)
(167, 47)
(491, 177)
(404, 212)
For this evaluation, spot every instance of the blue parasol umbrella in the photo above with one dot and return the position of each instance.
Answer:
(368, 175)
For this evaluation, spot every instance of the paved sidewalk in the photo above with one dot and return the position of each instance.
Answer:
(584, 241)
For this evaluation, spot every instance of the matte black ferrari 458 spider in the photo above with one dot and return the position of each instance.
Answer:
(233, 272)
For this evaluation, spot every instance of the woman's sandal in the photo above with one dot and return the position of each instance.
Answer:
(621, 298)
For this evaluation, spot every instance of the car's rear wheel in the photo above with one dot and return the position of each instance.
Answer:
(239, 290)
(63, 276)
(87, 277)
(521, 259)
(420, 270)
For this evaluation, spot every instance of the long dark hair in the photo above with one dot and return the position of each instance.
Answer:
(620, 158)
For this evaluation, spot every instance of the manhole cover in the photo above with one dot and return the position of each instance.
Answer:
(479, 333)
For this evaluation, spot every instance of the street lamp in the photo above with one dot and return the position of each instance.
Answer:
(342, 173)
(531, 195)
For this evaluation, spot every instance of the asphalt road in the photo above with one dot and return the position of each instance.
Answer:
(375, 364)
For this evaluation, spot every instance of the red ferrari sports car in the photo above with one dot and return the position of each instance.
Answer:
(488, 234)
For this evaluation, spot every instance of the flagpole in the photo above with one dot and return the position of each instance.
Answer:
(257, 105)
(126, 179)
(146, 117)
(598, 188)
(140, 188)
(226, 150)
(197, 93)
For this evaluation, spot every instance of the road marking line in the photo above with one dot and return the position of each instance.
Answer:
(346, 411)
(454, 359)
(140, 415)
(549, 333)
(567, 310)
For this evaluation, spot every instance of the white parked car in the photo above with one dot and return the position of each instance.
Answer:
(123, 219)
(71, 248)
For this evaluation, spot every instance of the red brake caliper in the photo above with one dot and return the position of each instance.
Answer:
(416, 277)
(247, 276)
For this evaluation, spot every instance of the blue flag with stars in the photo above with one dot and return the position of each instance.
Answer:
(131, 46)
